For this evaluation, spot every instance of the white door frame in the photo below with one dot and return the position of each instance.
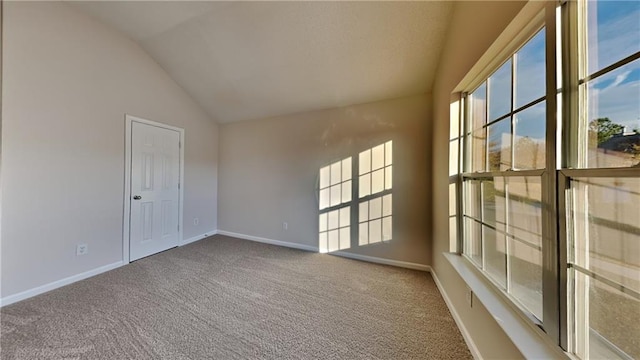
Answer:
(129, 120)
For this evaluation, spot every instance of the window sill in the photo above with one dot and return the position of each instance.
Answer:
(530, 340)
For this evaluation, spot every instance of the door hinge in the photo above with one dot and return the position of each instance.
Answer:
(178, 227)
(178, 186)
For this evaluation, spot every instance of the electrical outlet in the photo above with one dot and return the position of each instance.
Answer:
(196, 221)
(469, 297)
(82, 249)
(285, 226)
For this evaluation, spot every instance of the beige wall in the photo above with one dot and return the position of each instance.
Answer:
(67, 83)
(474, 27)
(269, 169)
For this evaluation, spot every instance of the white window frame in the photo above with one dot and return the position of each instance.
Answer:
(539, 14)
(539, 20)
(561, 21)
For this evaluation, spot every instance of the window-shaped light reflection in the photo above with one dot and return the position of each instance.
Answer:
(375, 177)
(335, 190)
(375, 169)
(335, 184)
(375, 220)
(335, 230)
(374, 182)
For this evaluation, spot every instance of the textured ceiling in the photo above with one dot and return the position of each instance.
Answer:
(251, 60)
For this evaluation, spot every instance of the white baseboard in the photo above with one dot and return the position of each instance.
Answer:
(269, 241)
(377, 260)
(71, 279)
(372, 259)
(56, 284)
(198, 237)
(465, 333)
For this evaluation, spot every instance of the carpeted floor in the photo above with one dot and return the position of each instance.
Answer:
(225, 298)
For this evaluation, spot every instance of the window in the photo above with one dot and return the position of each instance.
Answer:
(601, 184)
(373, 212)
(549, 190)
(505, 147)
(604, 265)
(455, 142)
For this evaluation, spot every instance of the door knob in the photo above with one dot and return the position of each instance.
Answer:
(137, 197)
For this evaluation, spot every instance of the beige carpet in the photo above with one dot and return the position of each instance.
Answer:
(225, 298)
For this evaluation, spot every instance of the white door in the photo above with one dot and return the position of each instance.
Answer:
(155, 192)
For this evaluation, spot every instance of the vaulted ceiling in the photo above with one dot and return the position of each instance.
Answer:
(252, 60)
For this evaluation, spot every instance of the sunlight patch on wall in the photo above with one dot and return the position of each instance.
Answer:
(375, 220)
(374, 170)
(335, 230)
(375, 173)
(334, 204)
(335, 184)
(372, 209)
